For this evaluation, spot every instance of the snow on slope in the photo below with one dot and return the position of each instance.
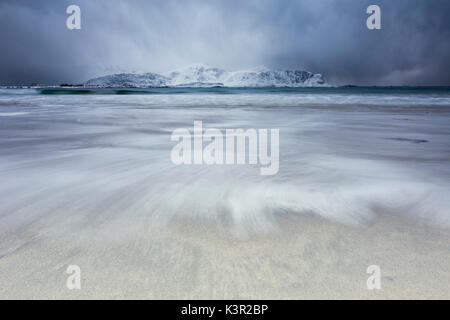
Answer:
(203, 76)
(143, 80)
(196, 74)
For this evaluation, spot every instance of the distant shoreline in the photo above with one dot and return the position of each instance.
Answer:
(84, 86)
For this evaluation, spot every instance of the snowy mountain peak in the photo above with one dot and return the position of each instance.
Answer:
(198, 73)
(194, 67)
(201, 75)
(261, 68)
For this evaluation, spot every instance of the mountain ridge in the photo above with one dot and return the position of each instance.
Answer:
(204, 76)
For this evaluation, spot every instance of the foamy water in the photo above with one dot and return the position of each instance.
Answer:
(92, 159)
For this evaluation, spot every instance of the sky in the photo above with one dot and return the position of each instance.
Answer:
(322, 36)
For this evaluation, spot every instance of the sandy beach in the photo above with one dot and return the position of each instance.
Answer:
(88, 181)
(304, 258)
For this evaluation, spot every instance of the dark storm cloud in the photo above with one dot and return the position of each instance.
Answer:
(326, 36)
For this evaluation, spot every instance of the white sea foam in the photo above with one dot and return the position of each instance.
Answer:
(12, 114)
(263, 99)
(95, 159)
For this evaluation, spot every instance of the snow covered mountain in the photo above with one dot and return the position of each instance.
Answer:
(206, 76)
(144, 80)
(200, 74)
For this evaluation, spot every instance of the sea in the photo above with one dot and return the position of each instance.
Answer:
(346, 154)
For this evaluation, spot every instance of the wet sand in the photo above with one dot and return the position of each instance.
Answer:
(88, 181)
(303, 258)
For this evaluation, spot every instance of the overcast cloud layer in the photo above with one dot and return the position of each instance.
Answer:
(322, 36)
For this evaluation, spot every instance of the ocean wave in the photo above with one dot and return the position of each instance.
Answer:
(89, 160)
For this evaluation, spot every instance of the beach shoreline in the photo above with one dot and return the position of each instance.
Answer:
(88, 181)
